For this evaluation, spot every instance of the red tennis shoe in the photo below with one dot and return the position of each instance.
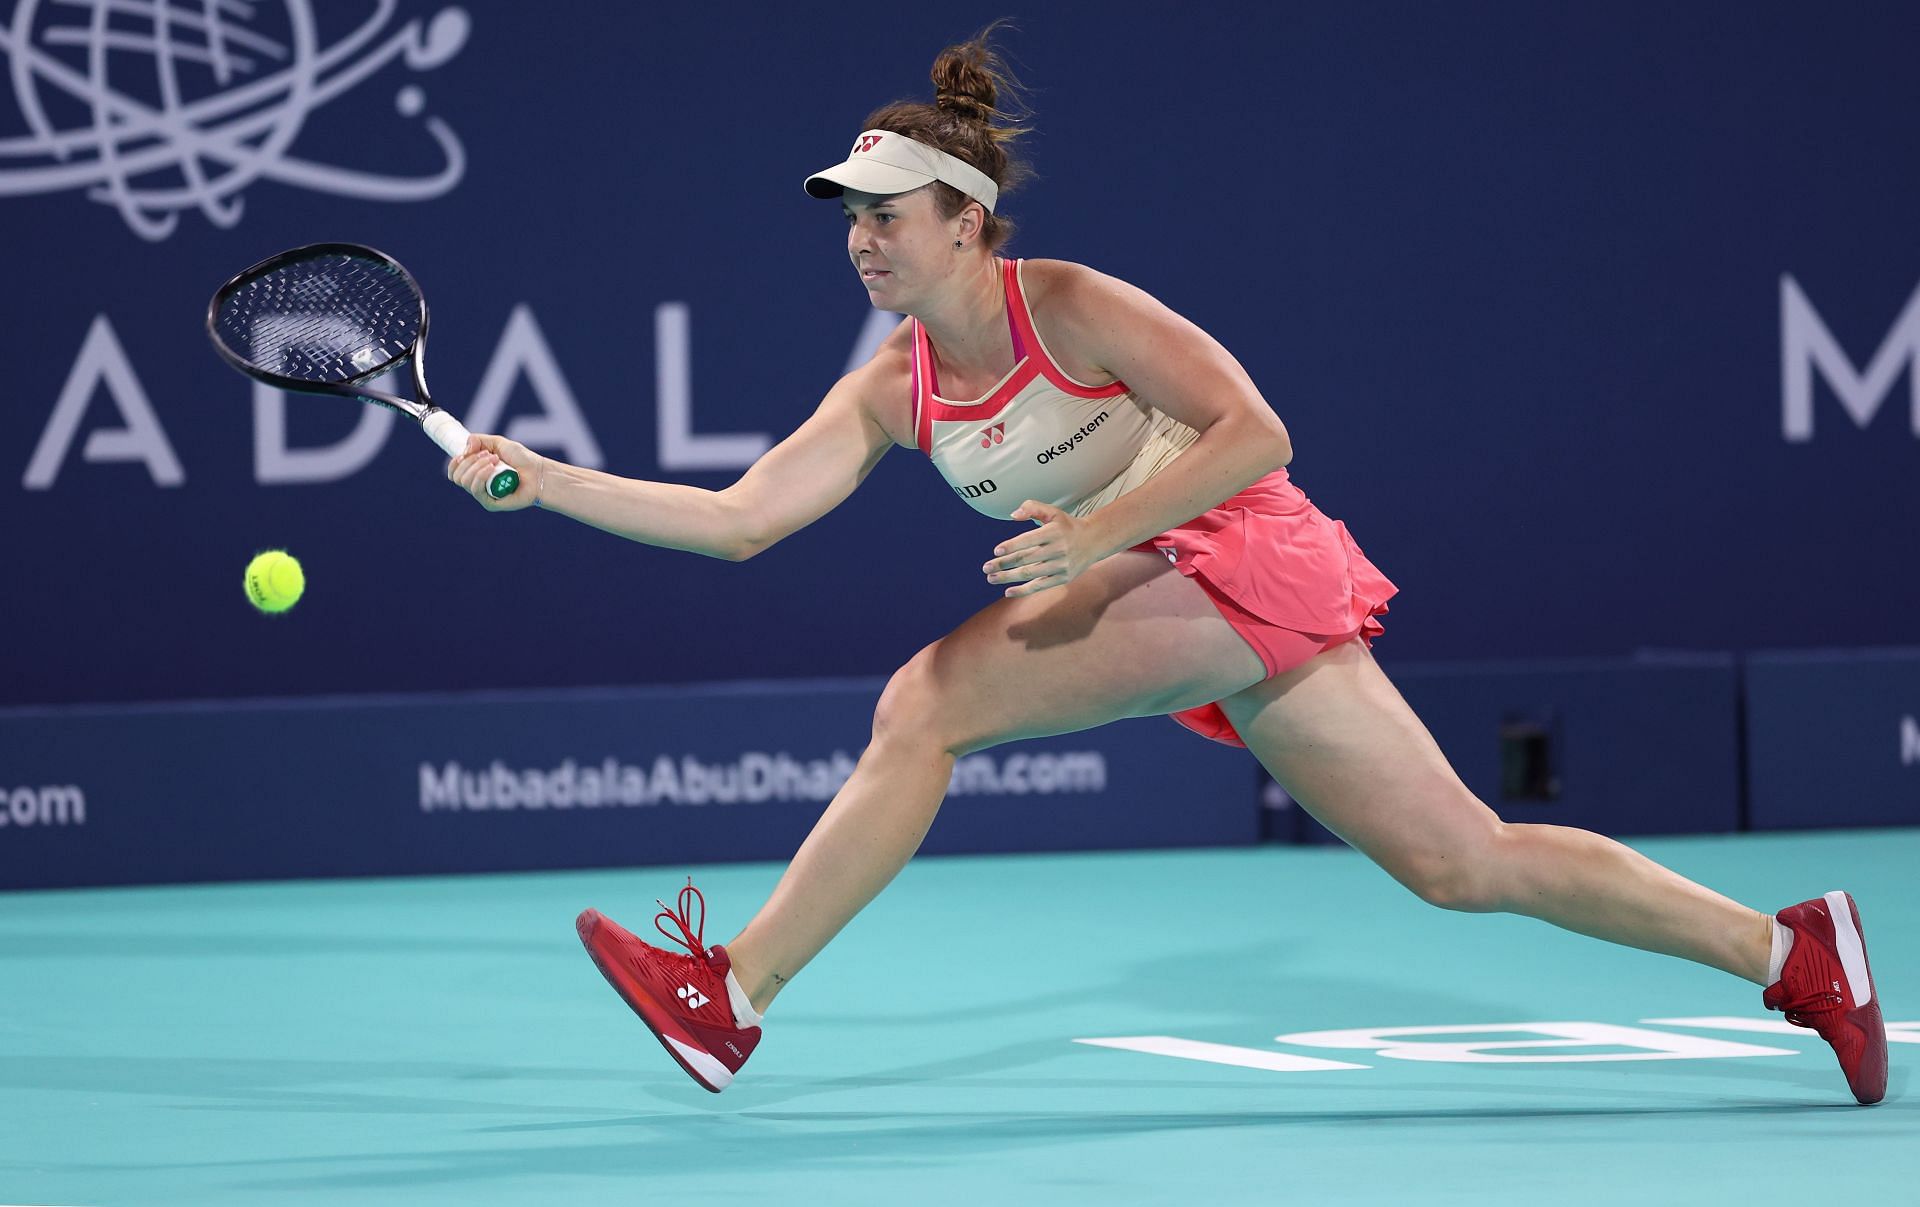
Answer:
(1827, 986)
(682, 998)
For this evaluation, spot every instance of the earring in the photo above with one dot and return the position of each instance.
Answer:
(956, 244)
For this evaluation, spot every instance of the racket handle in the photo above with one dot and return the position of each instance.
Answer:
(451, 435)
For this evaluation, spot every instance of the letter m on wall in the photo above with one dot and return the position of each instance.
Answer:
(1806, 346)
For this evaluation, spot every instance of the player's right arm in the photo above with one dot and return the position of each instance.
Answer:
(795, 483)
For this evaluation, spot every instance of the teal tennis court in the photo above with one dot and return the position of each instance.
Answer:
(445, 1040)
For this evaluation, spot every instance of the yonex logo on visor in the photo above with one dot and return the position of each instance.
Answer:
(885, 163)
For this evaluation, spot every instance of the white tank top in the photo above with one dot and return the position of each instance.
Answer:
(1039, 434)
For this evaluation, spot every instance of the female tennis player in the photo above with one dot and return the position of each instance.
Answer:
(1170, 566)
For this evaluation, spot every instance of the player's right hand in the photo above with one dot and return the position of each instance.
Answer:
(484, 454)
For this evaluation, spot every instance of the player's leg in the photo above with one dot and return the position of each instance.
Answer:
(1130, 637)
(1337, 735)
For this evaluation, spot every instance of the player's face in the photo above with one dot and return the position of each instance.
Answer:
(899, 244)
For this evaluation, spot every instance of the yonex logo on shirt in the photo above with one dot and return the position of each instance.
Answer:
(993, 435)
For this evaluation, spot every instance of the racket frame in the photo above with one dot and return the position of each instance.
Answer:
(446, 431)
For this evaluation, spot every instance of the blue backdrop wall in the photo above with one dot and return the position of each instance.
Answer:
(1600, 325)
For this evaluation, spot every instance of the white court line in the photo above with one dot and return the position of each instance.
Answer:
(1219, 1054)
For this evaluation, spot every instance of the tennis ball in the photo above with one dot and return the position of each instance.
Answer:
(275, 581)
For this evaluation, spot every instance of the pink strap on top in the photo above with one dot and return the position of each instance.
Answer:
(922, 404)
(1022, 320)
(1016, 305)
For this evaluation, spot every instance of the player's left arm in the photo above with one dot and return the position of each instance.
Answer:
(1100, 329)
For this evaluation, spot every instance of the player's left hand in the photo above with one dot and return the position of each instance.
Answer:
(1052, 555)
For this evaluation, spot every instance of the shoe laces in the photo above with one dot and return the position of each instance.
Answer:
(1813, 1009)
(692, 934)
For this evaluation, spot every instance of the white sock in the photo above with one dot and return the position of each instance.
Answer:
(1782, 944)
(744, 1015)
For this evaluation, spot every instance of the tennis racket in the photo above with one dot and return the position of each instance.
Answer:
(326, 319)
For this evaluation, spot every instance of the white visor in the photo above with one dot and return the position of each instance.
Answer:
(887, 163)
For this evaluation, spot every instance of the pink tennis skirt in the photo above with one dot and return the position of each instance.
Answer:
(1289, 580)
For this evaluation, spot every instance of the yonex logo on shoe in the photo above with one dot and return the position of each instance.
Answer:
(693, 997)
(994, 435)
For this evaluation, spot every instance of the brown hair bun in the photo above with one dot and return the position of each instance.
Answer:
(967, 121)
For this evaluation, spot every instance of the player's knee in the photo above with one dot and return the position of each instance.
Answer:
(1452, 885)
(909, 711)
(1461, 875)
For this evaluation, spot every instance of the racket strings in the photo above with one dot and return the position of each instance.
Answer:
(330, 319)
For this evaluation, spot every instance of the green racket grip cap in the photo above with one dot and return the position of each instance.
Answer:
(504, 483)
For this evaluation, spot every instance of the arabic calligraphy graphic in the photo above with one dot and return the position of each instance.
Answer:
(204, 97)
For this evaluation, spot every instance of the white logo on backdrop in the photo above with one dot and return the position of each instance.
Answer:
(1807, 348)
(159, 106)
(47, 805)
